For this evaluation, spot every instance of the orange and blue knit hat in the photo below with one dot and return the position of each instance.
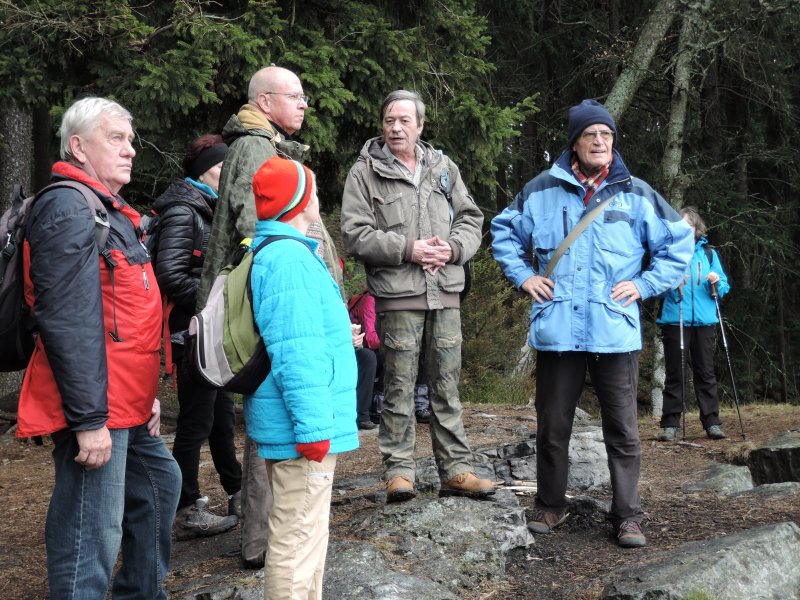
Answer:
(282, 189)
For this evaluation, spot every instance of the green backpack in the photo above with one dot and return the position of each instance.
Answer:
(226, 350)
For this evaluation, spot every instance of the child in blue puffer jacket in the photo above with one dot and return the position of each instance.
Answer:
(304, 412)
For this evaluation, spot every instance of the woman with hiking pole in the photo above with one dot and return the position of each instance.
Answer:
(692, 309)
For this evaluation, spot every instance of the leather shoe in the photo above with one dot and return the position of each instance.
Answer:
(399, 489)
(467, 484)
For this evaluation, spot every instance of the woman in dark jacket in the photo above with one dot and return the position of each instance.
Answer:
(185, 211)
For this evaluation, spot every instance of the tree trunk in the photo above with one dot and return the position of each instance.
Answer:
(674, 184)
(632, 76)
(16, 150)
(16, 158)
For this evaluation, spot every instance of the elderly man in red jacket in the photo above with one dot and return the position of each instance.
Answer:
(92, 380)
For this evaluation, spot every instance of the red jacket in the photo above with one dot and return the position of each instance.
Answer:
(362, 312)
(80, 377)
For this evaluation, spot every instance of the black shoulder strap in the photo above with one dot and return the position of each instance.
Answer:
(96, 206)
(709, 253)
(260, 247)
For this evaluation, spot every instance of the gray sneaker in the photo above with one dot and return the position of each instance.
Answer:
(668, 434)
(715, 432)
(195, 521)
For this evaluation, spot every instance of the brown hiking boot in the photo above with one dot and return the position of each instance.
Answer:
(399, 489)
(467, 484)
(544, 521)
(629, 534)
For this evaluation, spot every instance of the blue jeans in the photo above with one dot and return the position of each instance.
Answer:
(129, 503)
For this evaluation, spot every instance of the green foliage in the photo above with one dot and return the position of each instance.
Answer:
(494, 324)
(497, 78)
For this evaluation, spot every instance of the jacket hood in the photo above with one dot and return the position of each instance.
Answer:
(248, 121)
(183, 192)
(373, 149)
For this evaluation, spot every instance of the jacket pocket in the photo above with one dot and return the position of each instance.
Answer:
(390, 211)
(550, 326)
(401, 344)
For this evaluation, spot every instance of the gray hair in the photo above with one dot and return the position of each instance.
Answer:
(405, 95)
(82, 117)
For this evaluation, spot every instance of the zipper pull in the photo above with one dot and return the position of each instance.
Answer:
(144, 279)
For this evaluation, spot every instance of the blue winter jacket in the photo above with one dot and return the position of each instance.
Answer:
(582, 316)
(699, 308)
(310, 394)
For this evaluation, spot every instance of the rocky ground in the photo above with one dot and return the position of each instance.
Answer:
(573, 562)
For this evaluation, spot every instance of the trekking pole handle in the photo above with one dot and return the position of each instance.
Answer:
(714, 290)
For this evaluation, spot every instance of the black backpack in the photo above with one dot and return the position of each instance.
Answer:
(17, 331)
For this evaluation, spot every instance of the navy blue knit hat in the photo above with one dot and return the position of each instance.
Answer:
(588, 112)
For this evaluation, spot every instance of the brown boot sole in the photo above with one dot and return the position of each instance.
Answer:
(475, 495)
(400, 496)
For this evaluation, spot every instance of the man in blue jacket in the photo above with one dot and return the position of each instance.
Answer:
(585, 314)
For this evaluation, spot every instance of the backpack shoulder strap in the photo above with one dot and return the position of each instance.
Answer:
(709, 253)
(576, 231)
(260, 247)
(96, 206)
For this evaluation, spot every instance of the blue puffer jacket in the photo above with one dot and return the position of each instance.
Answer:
(582, 316)
(310, 394)
(699, 308)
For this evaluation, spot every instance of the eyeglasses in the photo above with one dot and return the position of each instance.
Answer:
(293, 97)
(605, 135)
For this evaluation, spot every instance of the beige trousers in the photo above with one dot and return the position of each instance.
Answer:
(298, 528)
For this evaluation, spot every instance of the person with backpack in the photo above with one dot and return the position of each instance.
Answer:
(304, 413)
(92, 380)
(262, 128)
(694, 304)
(185, 211)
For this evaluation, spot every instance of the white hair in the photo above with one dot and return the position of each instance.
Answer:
(83, 116)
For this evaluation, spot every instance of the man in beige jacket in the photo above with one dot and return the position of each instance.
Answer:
(408, 216)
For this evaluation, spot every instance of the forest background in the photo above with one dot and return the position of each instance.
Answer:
(705, 93)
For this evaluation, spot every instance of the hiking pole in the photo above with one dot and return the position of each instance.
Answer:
(728, 356)
(683, 359)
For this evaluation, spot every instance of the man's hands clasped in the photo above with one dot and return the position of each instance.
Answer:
(431, 254)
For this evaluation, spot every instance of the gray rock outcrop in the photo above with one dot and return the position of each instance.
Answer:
(428, 547)
(723, 479)
(757, 564)
(778, 460)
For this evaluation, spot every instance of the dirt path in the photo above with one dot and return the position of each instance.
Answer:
(570, 563)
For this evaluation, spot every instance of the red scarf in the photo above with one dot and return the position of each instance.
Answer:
(592, 181)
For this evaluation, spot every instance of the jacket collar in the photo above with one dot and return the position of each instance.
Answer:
(65, 170)
(562, 169)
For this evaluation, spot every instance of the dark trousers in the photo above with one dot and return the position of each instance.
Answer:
(367, 364)
(204, 414)
(559, 382)
(698, 349)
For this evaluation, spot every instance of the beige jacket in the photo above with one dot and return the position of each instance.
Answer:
(383, 214)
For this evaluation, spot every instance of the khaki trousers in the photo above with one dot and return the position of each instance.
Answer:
(298, 528)
(404, 333)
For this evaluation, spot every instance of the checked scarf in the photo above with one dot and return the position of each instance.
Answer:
(590, 182)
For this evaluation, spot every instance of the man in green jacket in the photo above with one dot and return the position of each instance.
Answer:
(408, 216)
(260, 130)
